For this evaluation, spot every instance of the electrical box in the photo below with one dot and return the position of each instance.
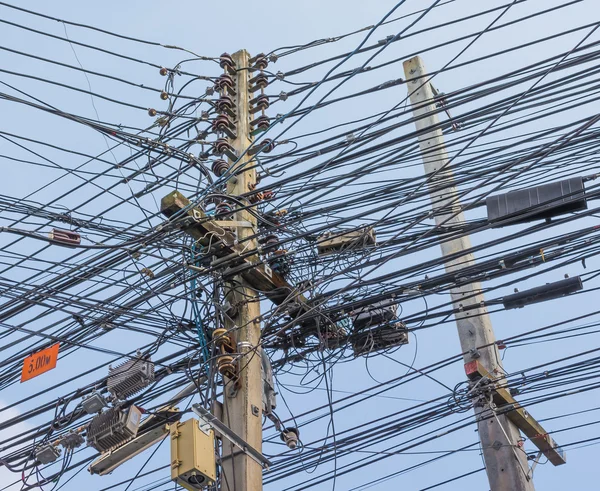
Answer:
(94, 403)
(46, 454)
(193, 463)
(113, 427)
(109, 461)
(542, 293)
(332, 242)
(130, 377)
(374, 314)
(72, 440)
(537, 203)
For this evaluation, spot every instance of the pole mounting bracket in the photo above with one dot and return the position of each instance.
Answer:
(507, 405)
(208, 418)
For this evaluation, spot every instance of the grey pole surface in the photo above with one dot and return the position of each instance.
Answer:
(506, 462)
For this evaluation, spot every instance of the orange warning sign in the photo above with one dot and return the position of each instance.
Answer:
(39, 362)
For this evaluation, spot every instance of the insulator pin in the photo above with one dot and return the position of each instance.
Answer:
(226, 63)
(260, 62)
(223, 123)
(225, 82)
(222, 147)
(261, 103)
(226, 367)
(259, 82)
(290, 436)
(261, 123)
(220, 167)
(224, 209)
(265, 146)
(225, 104)
(222, 340)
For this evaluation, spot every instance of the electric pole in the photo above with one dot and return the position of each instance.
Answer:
(242, 403)
(229, 236)
(506, 463)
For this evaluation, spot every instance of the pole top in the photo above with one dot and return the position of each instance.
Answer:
(413, 67)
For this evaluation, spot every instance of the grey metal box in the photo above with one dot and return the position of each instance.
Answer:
(537, 203)
(374, 314)
(94, 403)
(47, 454)
(113, 427)
(130, 377)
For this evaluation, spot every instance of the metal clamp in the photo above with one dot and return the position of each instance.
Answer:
(211, 420)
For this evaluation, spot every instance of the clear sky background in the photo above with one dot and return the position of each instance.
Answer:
(210, 28)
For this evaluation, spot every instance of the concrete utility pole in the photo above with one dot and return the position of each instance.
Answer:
(242, 412)
(506, 463)
(240, 362)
